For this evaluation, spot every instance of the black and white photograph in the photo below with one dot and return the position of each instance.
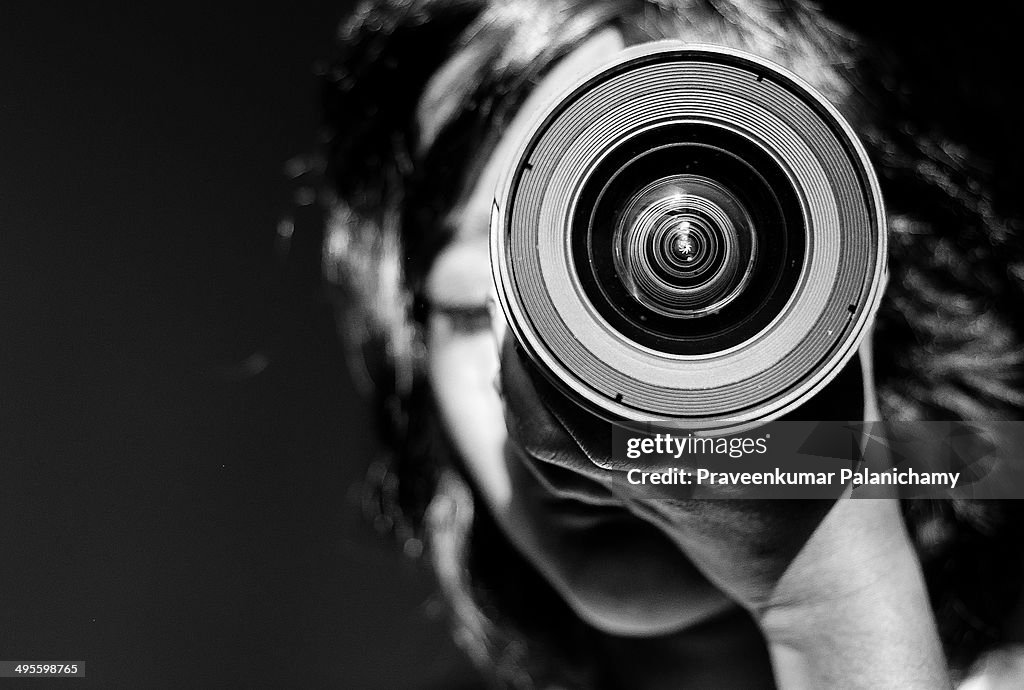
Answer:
(525, 344)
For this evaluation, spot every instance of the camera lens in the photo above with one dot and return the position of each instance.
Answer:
(688, 238)
(691, 235)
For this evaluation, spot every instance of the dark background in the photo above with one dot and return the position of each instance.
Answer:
(179, 439)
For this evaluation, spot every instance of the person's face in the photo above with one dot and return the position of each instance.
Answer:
(618, 572)
(612, 565)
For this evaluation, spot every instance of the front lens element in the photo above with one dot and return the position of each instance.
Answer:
(684, 246)
(688, 239)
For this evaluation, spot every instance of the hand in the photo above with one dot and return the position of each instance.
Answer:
(820, 577)
(742, 546)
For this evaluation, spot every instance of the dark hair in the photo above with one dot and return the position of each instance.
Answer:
(948, 345)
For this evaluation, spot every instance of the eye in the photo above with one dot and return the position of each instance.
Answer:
(464, 319)
(459, 287)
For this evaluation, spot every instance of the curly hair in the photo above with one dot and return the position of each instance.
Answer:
(948, 340)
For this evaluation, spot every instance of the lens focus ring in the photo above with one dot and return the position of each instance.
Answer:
(638, 316)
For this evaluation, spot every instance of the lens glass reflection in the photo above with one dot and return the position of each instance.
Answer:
(684, 246)
(688, 239)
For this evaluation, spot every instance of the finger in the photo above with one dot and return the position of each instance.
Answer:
(531, 423)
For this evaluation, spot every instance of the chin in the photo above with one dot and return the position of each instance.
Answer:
(619, 606)
(627, 616)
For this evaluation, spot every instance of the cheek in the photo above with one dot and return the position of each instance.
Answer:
(623, 577)
(463, 368)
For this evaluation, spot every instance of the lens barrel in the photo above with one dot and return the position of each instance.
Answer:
(690, 236)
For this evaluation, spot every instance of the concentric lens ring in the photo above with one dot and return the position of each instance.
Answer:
(793, 162)
(684, 246)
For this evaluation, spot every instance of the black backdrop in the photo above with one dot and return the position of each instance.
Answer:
(165, 517)
(178, 437)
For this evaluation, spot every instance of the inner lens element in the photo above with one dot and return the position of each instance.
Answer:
(688, 239)
(684, 246)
